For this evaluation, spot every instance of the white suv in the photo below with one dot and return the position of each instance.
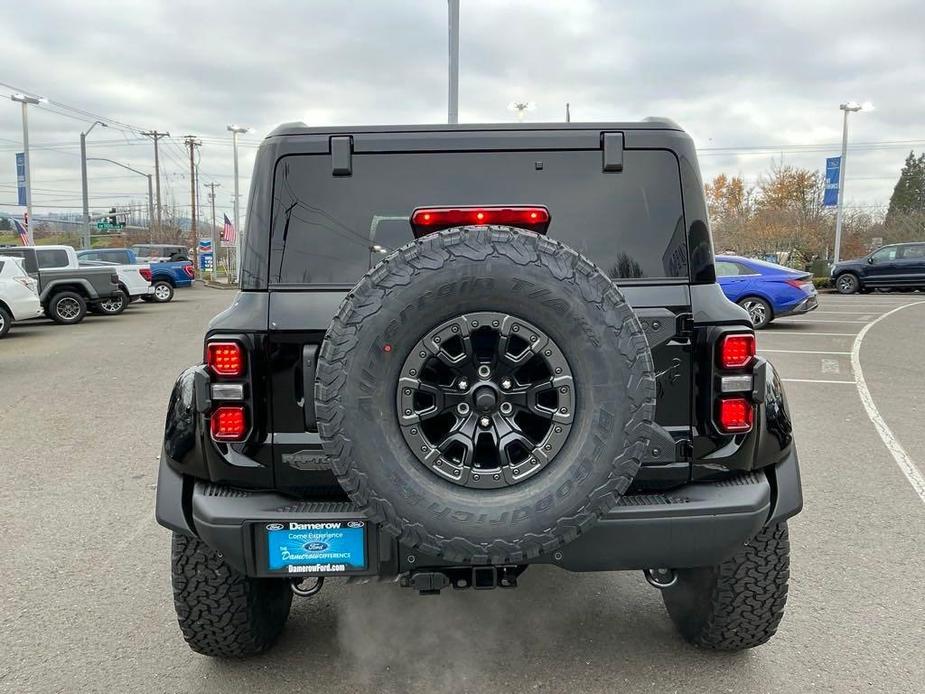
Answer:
(19, 299)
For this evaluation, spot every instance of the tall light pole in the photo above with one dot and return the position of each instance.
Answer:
(452, 114)
(850, 107)
(150, 192)
(25, 101)
(215, 254)
(236, 130)
(85, 242)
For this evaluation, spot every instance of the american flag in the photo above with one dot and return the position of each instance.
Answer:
(228, 231)
(23, 232)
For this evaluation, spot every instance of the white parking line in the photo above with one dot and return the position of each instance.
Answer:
(813, 380)
(842, 313)
(905, 463)
(814, 320)
(800, 351)
(802, 332)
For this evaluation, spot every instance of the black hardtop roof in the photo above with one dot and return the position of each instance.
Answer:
(300, 128)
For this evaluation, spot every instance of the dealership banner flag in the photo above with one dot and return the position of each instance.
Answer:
(21, 178)
(832, 168)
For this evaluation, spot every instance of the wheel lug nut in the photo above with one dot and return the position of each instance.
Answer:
(506, 408)
(506, 384)
(484, 422)
(463, 384)
(463, 408)
(484, 371)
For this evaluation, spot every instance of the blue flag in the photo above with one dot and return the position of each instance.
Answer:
(21, 177)
(832, 168)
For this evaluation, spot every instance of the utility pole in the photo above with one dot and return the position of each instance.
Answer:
(193, 143)
(212, 186)
(452, 116)
(155, 135)
(568, 112)
(25, 101)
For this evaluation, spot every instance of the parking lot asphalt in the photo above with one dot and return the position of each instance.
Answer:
(86, 602)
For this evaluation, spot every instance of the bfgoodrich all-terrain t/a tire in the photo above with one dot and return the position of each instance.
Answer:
(221, 612)
(503, 297)
(739, 603)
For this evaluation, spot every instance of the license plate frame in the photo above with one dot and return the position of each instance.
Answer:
(314, 547)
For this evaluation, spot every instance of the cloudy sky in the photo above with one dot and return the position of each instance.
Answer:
(750, 81)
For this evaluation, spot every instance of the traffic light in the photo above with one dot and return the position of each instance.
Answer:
(112, 216)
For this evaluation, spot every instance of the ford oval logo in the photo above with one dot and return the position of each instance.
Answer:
(355, 524)
(316, 546)
(275, 526)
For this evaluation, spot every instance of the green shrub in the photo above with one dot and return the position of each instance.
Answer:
(822, 282)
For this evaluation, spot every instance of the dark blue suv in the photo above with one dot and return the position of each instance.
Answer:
(898, 266)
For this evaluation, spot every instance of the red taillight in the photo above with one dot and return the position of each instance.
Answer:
(736, 351)
(188, 269)
(146, 273)
(427, 219)
(225, 358)
(228, 423)
(734, 415)
(800, 284)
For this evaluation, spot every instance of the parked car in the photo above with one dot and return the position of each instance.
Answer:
(65, 288)
(164, 275)
(538, 374)
(897, 266)
(767, 291)
(19, 295)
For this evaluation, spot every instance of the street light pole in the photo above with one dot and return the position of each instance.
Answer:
(25, 101)
(85, 241)
(452, 116)
(850, 107)
(236, 130)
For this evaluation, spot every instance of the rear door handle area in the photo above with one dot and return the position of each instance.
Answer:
(309, 363)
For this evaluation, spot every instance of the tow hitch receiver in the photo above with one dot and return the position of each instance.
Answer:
(432, 581)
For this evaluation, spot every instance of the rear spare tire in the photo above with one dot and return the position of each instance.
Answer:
(485, 394)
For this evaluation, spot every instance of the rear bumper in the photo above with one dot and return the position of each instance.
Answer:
(695, 525)
(810, 303)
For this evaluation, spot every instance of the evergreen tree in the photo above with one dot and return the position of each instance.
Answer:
(908, 199)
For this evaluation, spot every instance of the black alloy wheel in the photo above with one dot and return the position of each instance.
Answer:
(485, 400)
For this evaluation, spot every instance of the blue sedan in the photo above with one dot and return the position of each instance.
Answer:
(767, 291)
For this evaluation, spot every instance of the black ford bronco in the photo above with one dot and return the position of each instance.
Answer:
(461, 350)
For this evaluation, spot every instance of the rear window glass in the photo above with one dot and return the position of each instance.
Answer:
(52, 258)
(327, 230)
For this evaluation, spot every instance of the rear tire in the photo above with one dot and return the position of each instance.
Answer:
(5, 320)
(67, 308)
(739, 603)
(847, 283)
(759, 311)
(163, 292)
(223, 613)
(112, 306)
